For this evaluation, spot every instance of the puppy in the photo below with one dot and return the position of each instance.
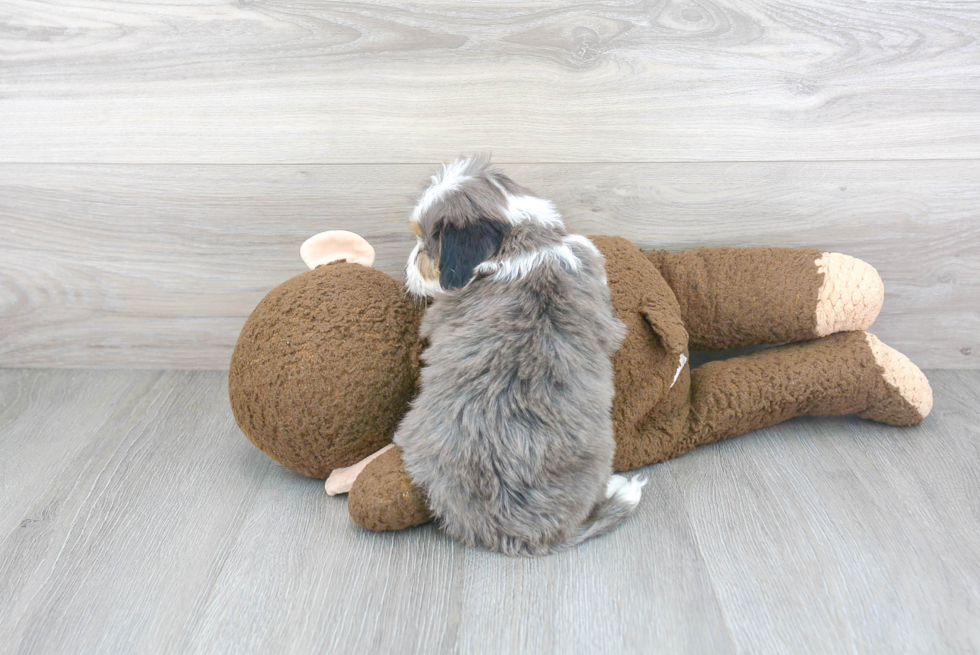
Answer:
(511, 436)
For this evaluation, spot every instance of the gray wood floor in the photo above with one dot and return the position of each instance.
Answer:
(135, 517)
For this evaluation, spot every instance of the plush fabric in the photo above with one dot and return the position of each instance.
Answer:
(325, 367)
(327, 363)
(732, 297)
(384, 498)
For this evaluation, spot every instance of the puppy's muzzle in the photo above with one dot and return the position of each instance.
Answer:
(422, 272)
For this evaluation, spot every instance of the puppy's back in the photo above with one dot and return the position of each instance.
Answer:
(511, 435)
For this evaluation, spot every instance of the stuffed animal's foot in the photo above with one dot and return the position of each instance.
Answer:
(907, 396)
(341, 480)
(385, 498)
(850, 295)
(840, 374)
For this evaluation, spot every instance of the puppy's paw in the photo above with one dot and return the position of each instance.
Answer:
(626, 489)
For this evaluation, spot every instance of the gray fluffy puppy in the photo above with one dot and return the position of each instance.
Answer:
(510, 436)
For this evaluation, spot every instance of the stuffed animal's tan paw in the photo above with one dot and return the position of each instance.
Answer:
(907, 398)
(850, 295)
(341, 480)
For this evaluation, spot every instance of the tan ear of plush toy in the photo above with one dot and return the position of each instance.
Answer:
(336, 245)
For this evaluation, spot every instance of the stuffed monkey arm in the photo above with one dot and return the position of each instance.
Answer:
(384, 497)
(733, 297)
(342, 479)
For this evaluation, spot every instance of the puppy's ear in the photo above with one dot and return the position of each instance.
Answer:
(465, 248)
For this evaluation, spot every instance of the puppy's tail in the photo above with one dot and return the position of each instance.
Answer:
(622, 498)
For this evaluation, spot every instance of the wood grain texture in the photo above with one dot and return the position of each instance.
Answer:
(418, 592)
(298, 81)
(34, 412)
(642, 591)
(116, 548)
(158, 266)
(869, 533)
(167, 532)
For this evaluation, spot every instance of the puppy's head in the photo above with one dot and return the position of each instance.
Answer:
(462, 219)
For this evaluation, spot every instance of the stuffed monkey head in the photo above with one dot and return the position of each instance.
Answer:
(327, 362)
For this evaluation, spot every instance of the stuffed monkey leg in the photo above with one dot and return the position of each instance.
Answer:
(732, 297)
(845, 373)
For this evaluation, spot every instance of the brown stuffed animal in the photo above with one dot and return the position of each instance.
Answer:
(327, 363)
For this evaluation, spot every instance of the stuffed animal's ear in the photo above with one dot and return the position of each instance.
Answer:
(334, 245)
(464, 248)
(665, 321)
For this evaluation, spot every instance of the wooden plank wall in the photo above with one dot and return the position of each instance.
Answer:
(160, 163)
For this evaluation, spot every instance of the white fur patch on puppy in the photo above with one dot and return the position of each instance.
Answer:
(627, 489)
(585, 242)
(418, 285)
(524, 209)
(529, 208)
(508, 270)
(450, 179)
